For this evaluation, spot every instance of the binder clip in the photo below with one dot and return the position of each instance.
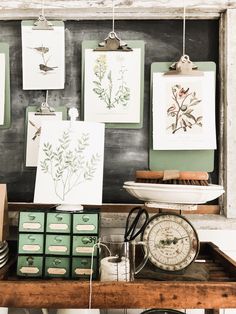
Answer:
(184, 67)
(113, 43)
(42, 24)
(45, 109)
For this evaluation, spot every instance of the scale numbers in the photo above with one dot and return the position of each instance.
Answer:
(172, 241)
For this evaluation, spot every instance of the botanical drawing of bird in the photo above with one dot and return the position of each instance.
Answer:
(38, 130)
(45, 68)
(41, 49)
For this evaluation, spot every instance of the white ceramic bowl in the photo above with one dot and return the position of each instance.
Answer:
(173, 193)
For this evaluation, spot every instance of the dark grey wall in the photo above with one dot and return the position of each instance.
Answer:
(126, 150)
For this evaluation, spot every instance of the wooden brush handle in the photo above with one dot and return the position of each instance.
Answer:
(182, 175)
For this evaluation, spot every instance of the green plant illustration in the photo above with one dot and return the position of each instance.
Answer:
(182, 110)
(69, 168)
(105, 84)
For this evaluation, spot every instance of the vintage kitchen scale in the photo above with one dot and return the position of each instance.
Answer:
(171, 239)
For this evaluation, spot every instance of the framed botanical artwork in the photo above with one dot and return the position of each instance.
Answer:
(43, 57)
(2, 88)
(113, 85)
(184, 112)
(70, 163)
(33, 131)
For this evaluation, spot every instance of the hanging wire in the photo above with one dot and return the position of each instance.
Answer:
(42, 7)
(184, 27)
(113, 16)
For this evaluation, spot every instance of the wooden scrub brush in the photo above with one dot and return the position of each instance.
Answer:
(172, 177)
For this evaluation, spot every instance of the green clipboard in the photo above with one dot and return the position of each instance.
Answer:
(189, 160)
(92, 44)
(29, 109)
(4, 48)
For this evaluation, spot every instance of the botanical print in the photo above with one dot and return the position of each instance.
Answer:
(34, 123)
(70, 164)
(184, 112)
(43, 58)
(111, 90)
(183, 109)
(2, 88)
(109, 96)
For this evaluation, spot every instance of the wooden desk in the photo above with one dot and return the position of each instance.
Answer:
(219, 291)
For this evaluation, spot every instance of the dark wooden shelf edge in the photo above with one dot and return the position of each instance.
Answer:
(116, 208)
(138, 294)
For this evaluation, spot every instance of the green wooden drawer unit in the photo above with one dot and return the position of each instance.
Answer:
(81, 267)
(58, 244)
(30, 266)
(83, 245)
(58, 223)
(84, 223)
(31, 243)
(57, 267)
(31, 222)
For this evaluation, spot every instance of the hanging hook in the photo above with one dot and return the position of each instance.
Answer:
(44, 108)
(184, 27)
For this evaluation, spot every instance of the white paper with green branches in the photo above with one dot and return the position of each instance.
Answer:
(112, 86)
(70, 163)
(43, 57)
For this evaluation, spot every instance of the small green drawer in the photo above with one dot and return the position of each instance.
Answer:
(57, 244)
(81, 267)
(31, 243)
(58, 222)
(31, 222)
(83, 245)
(57, 267)
(85, 223)
(30, 266)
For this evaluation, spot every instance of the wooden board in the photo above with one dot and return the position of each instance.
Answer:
(193, 160)
(218, 292)
(4, 228)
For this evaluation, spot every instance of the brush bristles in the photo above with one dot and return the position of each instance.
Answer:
(173, 181)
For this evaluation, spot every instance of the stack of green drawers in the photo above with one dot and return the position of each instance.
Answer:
(58, 244)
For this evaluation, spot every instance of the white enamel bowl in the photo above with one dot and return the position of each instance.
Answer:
(172, 193)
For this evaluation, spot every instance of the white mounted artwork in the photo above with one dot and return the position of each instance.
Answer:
(34, 123)
(43, 57)
(112, 83)
(2, 87)
(70, 163)
(184, 112)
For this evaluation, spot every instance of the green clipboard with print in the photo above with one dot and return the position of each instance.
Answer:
(5, 111)
(181, 159)
(112, 88)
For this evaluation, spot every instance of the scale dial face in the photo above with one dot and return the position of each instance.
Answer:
(172, 242)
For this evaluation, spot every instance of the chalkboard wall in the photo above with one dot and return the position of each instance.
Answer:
(125, 150)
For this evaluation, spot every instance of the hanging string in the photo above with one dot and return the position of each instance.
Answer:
(184, 27)
(113, 17)
(42, 8)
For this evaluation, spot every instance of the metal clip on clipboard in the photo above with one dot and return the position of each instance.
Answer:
(42, 24)
(184, 67)
(113, 43)
(45, 109)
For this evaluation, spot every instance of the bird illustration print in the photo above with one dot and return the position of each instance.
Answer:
(37, 132)
(44, 67)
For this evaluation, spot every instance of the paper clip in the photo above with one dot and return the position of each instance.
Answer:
(184, 67)
(73, 114)
(45, 109)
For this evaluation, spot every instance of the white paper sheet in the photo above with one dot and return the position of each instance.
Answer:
(2, 87)
(43, 58)
(70, 164)
(112, 86)
(184, 112)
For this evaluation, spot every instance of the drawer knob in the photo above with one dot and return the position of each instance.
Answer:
(85, 218)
